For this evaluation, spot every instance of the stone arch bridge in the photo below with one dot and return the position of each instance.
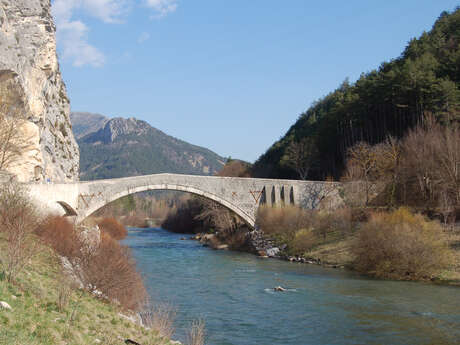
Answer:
(241, 195)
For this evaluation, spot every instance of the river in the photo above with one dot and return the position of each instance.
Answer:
(233, 293)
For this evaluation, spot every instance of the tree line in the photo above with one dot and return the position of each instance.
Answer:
(384, 102)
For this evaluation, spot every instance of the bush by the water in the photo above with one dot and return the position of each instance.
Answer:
(400, 245)
(111, 270)
(107, 267)
(113, 228)
(60, 234)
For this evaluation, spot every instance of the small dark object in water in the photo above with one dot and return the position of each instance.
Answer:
(129, 341)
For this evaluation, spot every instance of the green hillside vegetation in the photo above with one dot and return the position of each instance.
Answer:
(67, 284)
(387, 101)
(38, 315)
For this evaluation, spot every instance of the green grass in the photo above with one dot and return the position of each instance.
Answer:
(36, 319)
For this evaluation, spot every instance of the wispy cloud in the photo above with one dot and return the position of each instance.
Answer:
(162, 7)
(72, 33)
(143, 37)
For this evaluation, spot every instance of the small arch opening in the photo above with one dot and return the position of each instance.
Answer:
(263, 197)
(69, 211)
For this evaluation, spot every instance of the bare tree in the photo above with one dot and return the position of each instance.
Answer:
(362, 165)
(18, 220)
(431, 163)
(448, 154)
(219, 217)
(300, 156)
(13, 144)
(388, 157)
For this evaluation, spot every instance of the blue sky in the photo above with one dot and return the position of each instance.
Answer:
(230, 75)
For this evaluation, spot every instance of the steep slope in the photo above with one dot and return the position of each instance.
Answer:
(425, 79)
(128, 147)
(31, 89)
(85, 123)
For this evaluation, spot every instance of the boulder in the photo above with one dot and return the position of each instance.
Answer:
(4, 305)
(272, 252)
(222, 247)
(279, 288)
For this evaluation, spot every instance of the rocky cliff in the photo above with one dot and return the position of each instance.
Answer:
(31, 87)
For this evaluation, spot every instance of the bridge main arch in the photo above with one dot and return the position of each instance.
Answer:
(248, 218)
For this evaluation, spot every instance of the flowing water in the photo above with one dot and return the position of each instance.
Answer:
(233, 293)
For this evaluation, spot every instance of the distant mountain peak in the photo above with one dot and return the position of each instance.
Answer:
(121, 147)
(118, 126)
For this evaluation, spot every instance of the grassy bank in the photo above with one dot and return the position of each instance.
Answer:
(43, 303)
(62, 283)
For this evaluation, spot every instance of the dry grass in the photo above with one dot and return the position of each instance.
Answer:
(453, 239)
(334, 253)
(302, 230)
(401, 245)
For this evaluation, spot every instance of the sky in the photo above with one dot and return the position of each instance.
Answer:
(229, 75)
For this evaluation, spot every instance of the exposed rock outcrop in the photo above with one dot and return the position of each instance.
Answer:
(31, 87)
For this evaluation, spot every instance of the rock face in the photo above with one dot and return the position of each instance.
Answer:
(31, 87)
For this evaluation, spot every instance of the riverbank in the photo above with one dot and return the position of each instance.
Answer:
(46, 308)
(335, 254)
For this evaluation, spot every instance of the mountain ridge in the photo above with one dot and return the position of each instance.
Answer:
(120, 147)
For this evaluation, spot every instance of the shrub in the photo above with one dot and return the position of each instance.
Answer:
(18, 219)
(111, 270)
(113, 228)
(196, 333)
(64, 293)
(400, 245)
(160, 318)
(60, 235)
(108, 267)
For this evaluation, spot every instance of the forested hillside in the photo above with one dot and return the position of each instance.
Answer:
(388, 101)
